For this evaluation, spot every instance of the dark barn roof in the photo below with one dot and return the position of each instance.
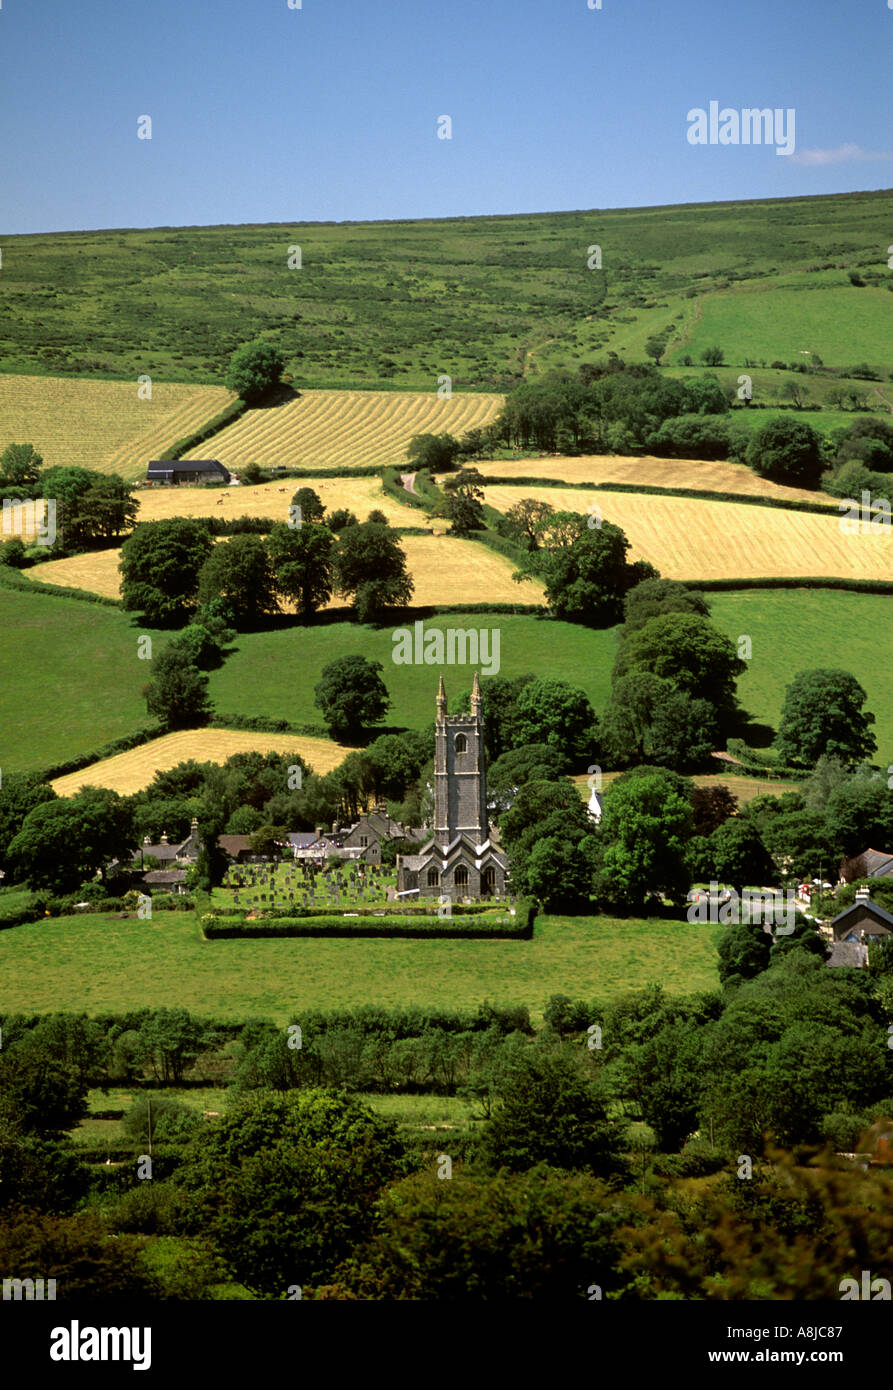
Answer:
(171, 468)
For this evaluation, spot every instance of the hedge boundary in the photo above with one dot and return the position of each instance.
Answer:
(856, 586)
(520, 927)
(13, 579)
(146, 734)
(260, 723)
(651, 490)
(211, 427)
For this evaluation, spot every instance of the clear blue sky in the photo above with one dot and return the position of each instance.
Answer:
(262, 113)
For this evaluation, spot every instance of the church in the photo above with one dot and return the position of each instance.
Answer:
(460, 860)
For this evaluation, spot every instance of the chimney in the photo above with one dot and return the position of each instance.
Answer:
(146, 840)
(164, 838)
(320, 831)
(863, 894)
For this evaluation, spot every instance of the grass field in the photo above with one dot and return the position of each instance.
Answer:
(686, 538)
(818, 315)
(333, 429)
(135, 769)
(101, 424)
(795, 631)
(70, 678)
(93, 963)
(359, 495)
(275, 672)
(653, 472)
(444, 568)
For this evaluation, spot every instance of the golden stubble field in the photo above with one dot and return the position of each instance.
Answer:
(102, 424)
(690, 539)
(651, 472)
(132, 771)
(358, 495)
(444, 569)
(332, 429)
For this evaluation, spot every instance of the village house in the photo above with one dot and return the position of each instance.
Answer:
(853, 929)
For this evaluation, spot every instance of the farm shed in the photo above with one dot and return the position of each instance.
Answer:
(172, 471)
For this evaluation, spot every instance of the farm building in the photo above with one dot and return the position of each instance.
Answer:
(461, 860)
(173, 471)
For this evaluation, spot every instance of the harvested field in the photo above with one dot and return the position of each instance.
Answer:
(131, 771)
(690, 539)
(330, 429)
(102, 424)
(652, 472)
(359, 495)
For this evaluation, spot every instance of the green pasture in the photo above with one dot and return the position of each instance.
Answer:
(70, 678)
(843, 324)
(274, 673)
(796, 630)
(99, 963)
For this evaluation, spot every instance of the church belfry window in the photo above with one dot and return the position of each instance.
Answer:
(461, 743)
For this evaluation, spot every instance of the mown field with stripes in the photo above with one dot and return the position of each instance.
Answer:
(102, 424)
(648, 471)
(343, 429)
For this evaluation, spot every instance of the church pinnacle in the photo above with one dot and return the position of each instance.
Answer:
(441, 700)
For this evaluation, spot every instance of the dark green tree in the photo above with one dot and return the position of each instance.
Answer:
(301, 560)
(351, 695)
(65, 842)
(370, 565)
(160, 565)
(823, 715)
(788, 451)
(239, 574)
(177, 693)
(254, 370)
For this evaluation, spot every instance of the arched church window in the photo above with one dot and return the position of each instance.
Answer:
(489, 881)
(433, 878)
(460, 878)
(461, 743)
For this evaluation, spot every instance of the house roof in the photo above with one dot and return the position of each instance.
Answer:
(157, 877)
(234, 845)
(848, 953)
(871, 863)
(875, 909)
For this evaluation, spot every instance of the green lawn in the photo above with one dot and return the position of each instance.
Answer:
(70, 678)
(94, 964)
(274, 673)
(824, 314)
(796, 630)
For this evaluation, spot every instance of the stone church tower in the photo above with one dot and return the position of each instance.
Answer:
(462, 861)
(460, 788)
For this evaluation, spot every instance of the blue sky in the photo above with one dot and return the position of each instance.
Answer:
(261, 113)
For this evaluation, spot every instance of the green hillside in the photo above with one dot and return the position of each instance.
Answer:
(485, 299)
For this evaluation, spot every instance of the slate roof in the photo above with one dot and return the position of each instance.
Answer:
(848, 953)
(879, 912)
(871, 863)
(156, 878)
